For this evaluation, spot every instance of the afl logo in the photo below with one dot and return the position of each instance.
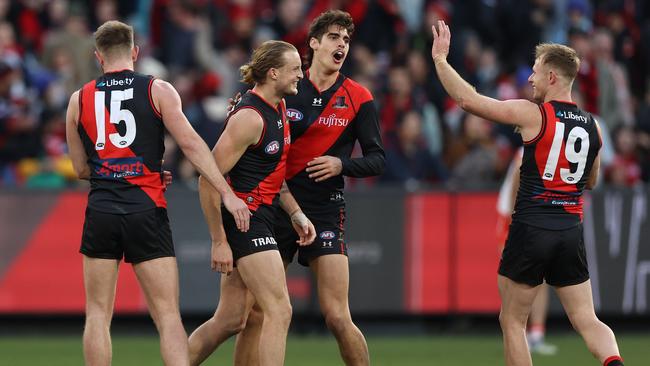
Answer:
(294, 115)
(272, 148)
(327, 235)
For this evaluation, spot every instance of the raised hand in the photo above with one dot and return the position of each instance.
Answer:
(441, 41)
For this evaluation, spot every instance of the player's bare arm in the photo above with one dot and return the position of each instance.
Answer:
(244, 129)
(520, 112)
(299, 221)
(75, 146)
(595, 169)
(516, 180)
(168, 102)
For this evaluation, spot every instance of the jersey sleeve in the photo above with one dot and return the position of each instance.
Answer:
(367, 131)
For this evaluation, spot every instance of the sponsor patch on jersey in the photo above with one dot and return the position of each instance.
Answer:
(571, 115)
(119, 167)
(294, 115)
(339, 102)
(272, 148)
(327, 235)
(333, 121)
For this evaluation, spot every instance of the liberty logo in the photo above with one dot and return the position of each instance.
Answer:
(339, 102)
(318, 102)
(571, 115)
(113, 82)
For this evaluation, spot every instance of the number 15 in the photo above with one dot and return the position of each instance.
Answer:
(117, 115)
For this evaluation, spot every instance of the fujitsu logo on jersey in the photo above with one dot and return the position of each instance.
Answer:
(571, 115)
(120, 167)
(332, 120)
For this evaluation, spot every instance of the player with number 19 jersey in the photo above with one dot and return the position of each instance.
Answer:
(556, 166)
(123, 136)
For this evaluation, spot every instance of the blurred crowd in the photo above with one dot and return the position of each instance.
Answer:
(46, 52)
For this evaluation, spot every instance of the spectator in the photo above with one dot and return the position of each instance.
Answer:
(408, 161)
(474, 159)
(625, 171)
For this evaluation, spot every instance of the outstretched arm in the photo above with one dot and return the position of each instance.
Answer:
(518, 112)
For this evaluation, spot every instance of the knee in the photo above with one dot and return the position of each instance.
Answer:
(581, 322)
(286, 311)
(233, 324)
(255, 317)
(281, 312)
(166, 319)
(510, 322)
(99, 314)
(337, 322)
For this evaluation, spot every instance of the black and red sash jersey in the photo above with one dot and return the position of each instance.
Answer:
(258, 175)
(556, 166)
(122, 133)
(329, 123)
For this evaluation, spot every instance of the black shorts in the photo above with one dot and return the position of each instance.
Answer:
(329, 223)
(137, 237)
(533, 254)
(258, 238)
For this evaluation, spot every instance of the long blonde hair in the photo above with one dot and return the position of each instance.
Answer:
(269, 54)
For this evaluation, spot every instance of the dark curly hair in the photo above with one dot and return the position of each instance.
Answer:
(321, 24)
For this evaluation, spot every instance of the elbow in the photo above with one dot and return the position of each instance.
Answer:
(82, 172)
(187, 146)
(591, 183)
(468, 103)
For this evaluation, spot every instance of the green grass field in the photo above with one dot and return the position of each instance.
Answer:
(321, 351)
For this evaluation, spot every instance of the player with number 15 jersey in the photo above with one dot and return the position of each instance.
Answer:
(125, 157)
